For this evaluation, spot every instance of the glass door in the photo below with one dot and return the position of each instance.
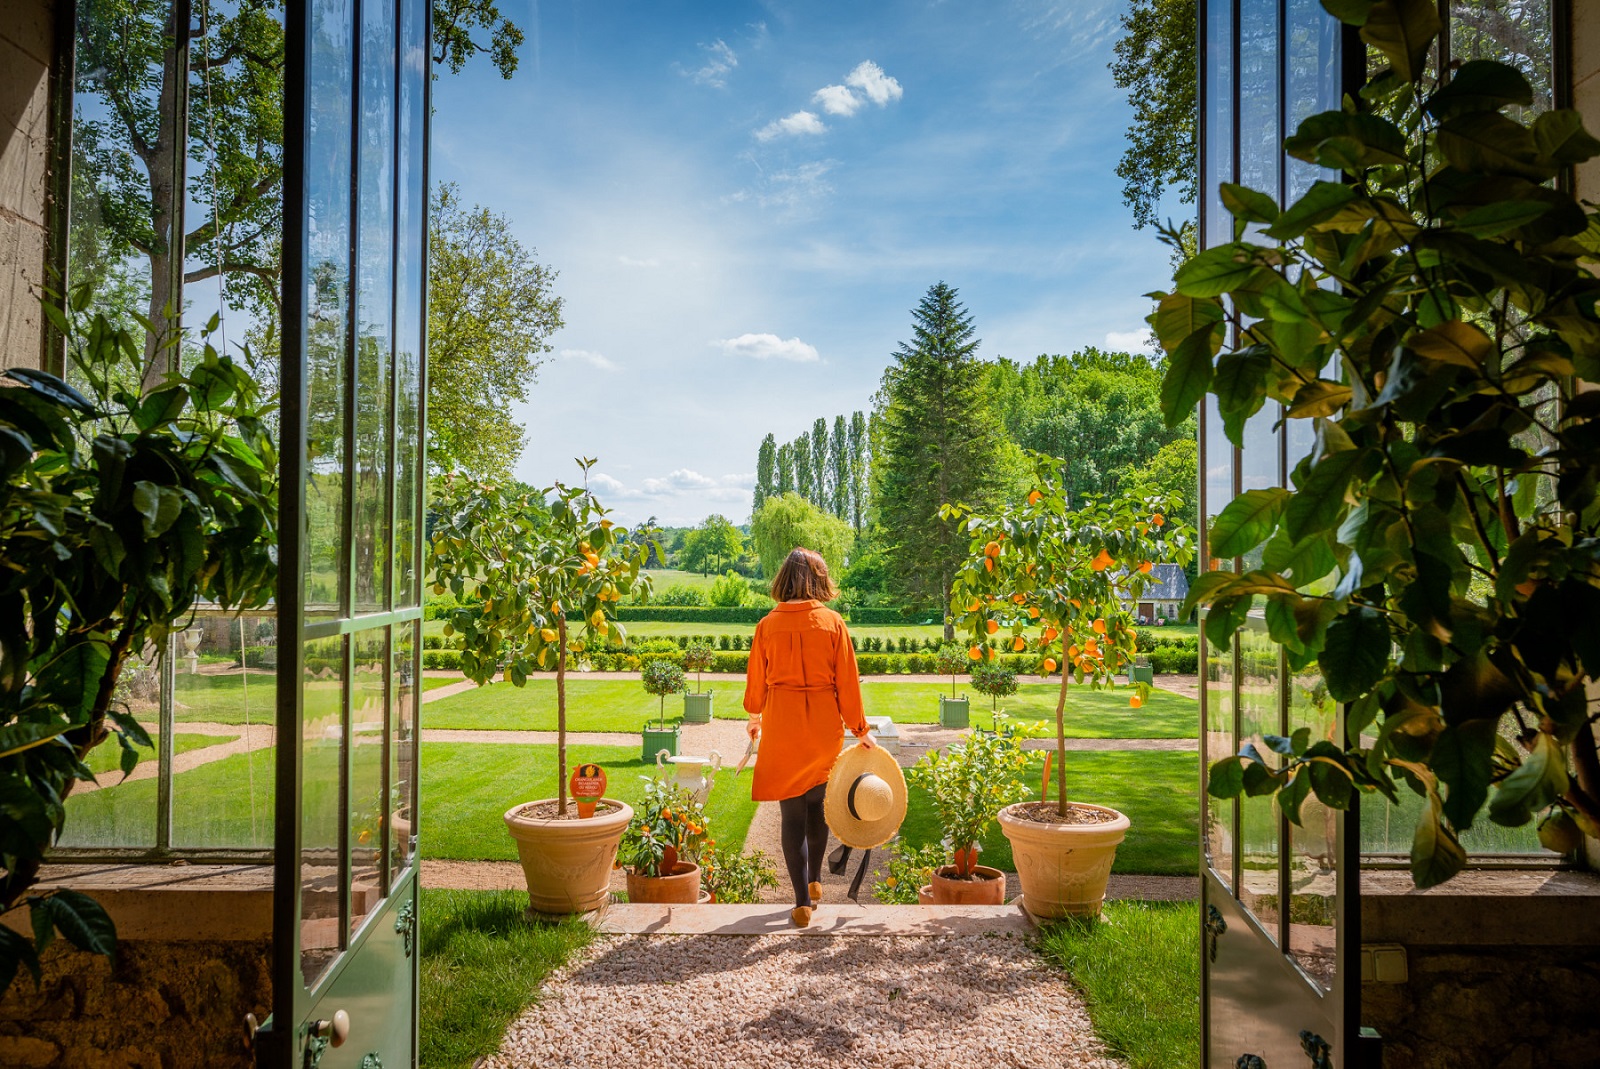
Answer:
(349, 600)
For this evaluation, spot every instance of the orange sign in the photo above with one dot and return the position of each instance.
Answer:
(588, 786)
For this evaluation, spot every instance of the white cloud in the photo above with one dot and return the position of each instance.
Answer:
(769, 347)
(801, 122)
(870, 79)
(1130, 341)
(599, 361)
(629, 261)
(720, 60)
(837, 100)
(605, 484)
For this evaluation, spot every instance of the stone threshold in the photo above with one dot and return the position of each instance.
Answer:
(641, 918)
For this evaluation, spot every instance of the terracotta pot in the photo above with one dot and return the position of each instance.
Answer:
(925, 895)
(567, 863)
(988, 889)
(1063, 867)
(681, 886)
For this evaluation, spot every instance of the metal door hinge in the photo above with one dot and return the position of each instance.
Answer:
(372, 1061)
(405, 924)
(1215, 926)
(1316, 1049)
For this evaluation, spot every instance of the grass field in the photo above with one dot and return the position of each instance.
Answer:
(107, 757)
(1156, 791)
(1139, 971)
(623, 705)
(466, 787)
(227, 699)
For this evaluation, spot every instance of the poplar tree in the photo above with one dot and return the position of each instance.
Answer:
(839, 463)
(857, 459)
(766, 465)
(819, 463)
(786, 468)
(803, 471)
(940, 444)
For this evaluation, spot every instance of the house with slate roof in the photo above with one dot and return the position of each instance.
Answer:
(1164, 596)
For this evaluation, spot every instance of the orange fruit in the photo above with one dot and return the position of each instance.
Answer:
(1035, 497)
(988, 562)
(993, 626)
(975, 653)
(1103, 561)
(975, 606)
(1144, 567)
(1100, 627)
(1072, 653)
(1019, 598)
(1019, 643)
(1050, 634)
(992, 549)
(1092, 648)
(1049, 665)
(1157, 520)
(1033, 612)
(549, 634)
(1135, 701)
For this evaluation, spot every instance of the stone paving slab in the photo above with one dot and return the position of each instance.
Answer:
(639, 918)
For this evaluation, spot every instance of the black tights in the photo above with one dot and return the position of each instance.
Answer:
(805, 840)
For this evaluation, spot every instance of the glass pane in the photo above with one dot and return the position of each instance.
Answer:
(1258, 817)
(1217, 464)
(1313, 79)
(370, 804)
(1260, 143)
(374, 310)
(321, 779)
(123, 201)
(403, 746)
(1219, 742)
(410, 209)
(1313, 844)
(1218, 224)
(225, 689)
(1510, 31)
(328, 168)
(1260, 462)
(113, 811)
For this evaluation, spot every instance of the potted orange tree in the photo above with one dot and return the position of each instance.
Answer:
(969, 786)
(697, 658)
(662, 844)
(1072, 574)
(950, 660)
(540, 566)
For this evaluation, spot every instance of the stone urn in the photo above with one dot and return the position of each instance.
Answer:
(1063, 867)
(567, 862)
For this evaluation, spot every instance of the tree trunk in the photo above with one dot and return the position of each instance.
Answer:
(162, 162)
(949, 624)
(1061, 744)
(561, 718)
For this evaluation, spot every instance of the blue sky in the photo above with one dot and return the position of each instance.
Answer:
(745, 200)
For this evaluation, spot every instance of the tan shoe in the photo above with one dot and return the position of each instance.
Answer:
(815, 891)
(801, 916)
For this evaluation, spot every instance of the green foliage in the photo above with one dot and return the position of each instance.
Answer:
(663, 677)
(455, 45)
(491, 312)
(730, 591)
(910, 868)
(996, 679)
(951, 660)
(680, 595)
(1172, 474)
(118, 513)
(690, 614)
(766, 473)
(697, 658)
(711, 546)
(1156, 64)
(668, 815)
(733, 877)
(938, 442)
(787, 521)
(970, 784)
(1438, 557)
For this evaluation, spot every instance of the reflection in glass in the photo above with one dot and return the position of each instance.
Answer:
(328, 168)
(1217, 467)
(225, 687)
(1515, 32)
(1313, 843)
(321, 780)
(403, 746)
(1260, 462)
(374, 309)
(1260, 142)
(113, 811)
(1219, 742)
(410, 213)
(1313, 79)
(1217, 226)
(1258, 817)
(370, 802)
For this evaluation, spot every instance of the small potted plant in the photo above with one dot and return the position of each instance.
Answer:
(951, 660)
(697, 657)
(661, 678)
(662, 844)
(732, 877)
(909, 881)
(997, 681)
(969, 786)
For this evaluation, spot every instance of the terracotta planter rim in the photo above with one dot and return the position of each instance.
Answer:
(1121, 823)
(516, 822)
(982, 874)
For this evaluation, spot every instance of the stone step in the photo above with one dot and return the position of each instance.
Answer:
(644, 918)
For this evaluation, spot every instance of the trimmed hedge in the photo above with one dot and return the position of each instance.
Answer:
(683, 614)
(447, 660)
(879, 616)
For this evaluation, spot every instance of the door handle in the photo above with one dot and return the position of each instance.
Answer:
(334, 1031)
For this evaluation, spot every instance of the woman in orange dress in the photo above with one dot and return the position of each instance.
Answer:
(802, 691)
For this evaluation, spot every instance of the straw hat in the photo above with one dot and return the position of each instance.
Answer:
(866, 797)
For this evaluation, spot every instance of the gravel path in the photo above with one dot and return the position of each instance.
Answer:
(739, 1001)
(258, 737)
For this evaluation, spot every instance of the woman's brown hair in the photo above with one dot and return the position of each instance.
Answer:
(803, 577)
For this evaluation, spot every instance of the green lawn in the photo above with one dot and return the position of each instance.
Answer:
(467, 787)
(623, 705)
(107, 757)
(1140, 974)
(482, 963)
(225, 699)
(1155, 789)
(212, 806)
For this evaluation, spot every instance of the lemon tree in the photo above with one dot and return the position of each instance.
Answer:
(538, 576)
(1062, 582)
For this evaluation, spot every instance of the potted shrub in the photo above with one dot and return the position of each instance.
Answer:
(697, 657)
(731, 877)
(661, 678)
(118, 513)
(662, 843)
(1071, 573)
(997, 681)
(540, 565)
(969, 785)
(1443, 577)
(909, 881)
(951, 660)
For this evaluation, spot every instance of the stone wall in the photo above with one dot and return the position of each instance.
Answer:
(27, 44)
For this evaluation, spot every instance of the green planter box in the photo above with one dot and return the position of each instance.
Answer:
(1141, 673)
(657, 739)
(697, 708)
(953, 712)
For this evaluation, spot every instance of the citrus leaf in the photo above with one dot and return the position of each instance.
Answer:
(1436, 855)
(1538, 781)
(1402, 30)
(1355, 653)
(1247, 521)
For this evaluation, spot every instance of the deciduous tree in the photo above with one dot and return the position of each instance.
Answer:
(789, 520)
(766, 473)
(858, 462)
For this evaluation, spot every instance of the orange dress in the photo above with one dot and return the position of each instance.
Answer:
(803, 681)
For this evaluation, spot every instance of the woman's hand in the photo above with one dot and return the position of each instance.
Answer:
(866, 741)
(753, 728)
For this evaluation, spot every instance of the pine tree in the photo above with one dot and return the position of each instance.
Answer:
(802, 468)
(839, 473)
(766, 463)
(785, 468)
(819, 463)
(857, 461)
(940, 444)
